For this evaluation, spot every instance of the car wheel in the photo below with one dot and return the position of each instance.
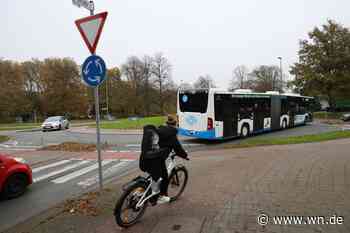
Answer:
(59, 127)
(67, 127)
(245, 131)
(15, 186)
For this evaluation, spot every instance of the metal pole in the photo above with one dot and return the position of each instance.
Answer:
(281, 75)
(98, 145)
(97, 112)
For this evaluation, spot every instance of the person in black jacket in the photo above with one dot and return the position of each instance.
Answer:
(167, 142)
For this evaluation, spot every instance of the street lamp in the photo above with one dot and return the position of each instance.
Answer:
(280, 58)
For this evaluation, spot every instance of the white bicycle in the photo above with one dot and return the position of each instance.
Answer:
(137, 193)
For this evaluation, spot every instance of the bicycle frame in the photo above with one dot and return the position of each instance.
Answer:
(144, 198)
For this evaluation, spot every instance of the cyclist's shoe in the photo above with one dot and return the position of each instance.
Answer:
(163, 199)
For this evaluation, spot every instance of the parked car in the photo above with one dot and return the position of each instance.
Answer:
(55, 122)
(346, 117)
(15, 176)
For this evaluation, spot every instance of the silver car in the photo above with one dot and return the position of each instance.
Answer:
(55, 122)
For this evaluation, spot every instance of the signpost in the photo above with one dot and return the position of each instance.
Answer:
(94, 68)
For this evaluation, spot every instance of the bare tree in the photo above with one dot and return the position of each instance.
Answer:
(147, 74)
(185, 86)
(204, 82)
(240, 78)
(161, 70)
(133, 71)
(266, 78)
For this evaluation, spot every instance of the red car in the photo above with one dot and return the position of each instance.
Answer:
(15, 176)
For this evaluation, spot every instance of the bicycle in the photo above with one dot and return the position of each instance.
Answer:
(137, 193)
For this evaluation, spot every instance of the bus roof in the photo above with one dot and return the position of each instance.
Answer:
(241, 92)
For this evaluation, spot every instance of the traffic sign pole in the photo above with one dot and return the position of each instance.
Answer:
(97, 113)
(94, 68)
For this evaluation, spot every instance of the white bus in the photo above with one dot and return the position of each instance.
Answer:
(217, 114)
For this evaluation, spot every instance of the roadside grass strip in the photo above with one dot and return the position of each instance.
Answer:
(133, 124)
(4, 138)
(252, 142)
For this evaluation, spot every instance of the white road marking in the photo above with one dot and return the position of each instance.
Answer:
(133, 145)
(80, 172)
(43, 177)
(34, 170)
(93, 180)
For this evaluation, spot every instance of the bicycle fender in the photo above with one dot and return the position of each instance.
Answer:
(134, 181)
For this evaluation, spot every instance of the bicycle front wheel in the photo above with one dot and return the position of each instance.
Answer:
(126, 214)
(177, 182)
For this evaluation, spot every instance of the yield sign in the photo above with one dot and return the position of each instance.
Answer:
(90, 29)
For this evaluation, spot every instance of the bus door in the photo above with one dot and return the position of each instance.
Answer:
(259, 115)
(229, 117)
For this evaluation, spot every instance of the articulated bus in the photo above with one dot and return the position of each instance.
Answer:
(215, 114)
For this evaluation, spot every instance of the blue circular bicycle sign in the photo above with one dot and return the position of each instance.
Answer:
(94, 71)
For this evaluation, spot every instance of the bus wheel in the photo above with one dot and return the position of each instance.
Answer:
(245, 131)
(284, 124)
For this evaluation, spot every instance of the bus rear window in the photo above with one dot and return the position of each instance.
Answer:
(193, 102)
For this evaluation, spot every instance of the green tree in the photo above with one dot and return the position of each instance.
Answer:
(12, 90)
(62, 89)
(324, 63)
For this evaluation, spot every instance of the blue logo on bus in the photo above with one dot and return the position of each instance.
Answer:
(191, 120)
(184, 98)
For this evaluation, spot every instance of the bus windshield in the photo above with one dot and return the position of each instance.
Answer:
(193, 101)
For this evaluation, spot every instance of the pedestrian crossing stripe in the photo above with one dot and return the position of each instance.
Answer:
(50, 166)
(94, 179)
(54, 173)
(63, 171)
(78, 173)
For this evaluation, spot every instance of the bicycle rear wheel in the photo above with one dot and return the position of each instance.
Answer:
(177, 182)
(126, 214)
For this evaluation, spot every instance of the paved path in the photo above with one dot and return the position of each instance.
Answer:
(229, 189)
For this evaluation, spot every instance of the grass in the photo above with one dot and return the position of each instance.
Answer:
(327, 115)
(253, 142)
(133, 124)
(22, 126)
(4, 138)
(18, 126)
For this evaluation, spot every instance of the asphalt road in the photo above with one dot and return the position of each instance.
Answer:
(62, 177)
(56, 181)
(126, 142)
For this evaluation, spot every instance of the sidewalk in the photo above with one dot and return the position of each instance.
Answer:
(226, 192)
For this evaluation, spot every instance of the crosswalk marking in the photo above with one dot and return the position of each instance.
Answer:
(80, 172)
(50, 166)
(92, 180)
(43, 177)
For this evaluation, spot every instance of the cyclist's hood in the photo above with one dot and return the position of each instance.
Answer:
(166, 132)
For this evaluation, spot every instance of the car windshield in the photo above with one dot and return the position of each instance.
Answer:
(51, 119)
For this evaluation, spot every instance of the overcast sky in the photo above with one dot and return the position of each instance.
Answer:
(198, 36)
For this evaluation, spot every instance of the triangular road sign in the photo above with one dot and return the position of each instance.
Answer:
(90, 29)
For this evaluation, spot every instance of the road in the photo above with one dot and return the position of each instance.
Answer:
(57, 178)
(62, 175)
(130, 142)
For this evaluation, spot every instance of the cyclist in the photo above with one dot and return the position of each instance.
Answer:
(156, 166)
